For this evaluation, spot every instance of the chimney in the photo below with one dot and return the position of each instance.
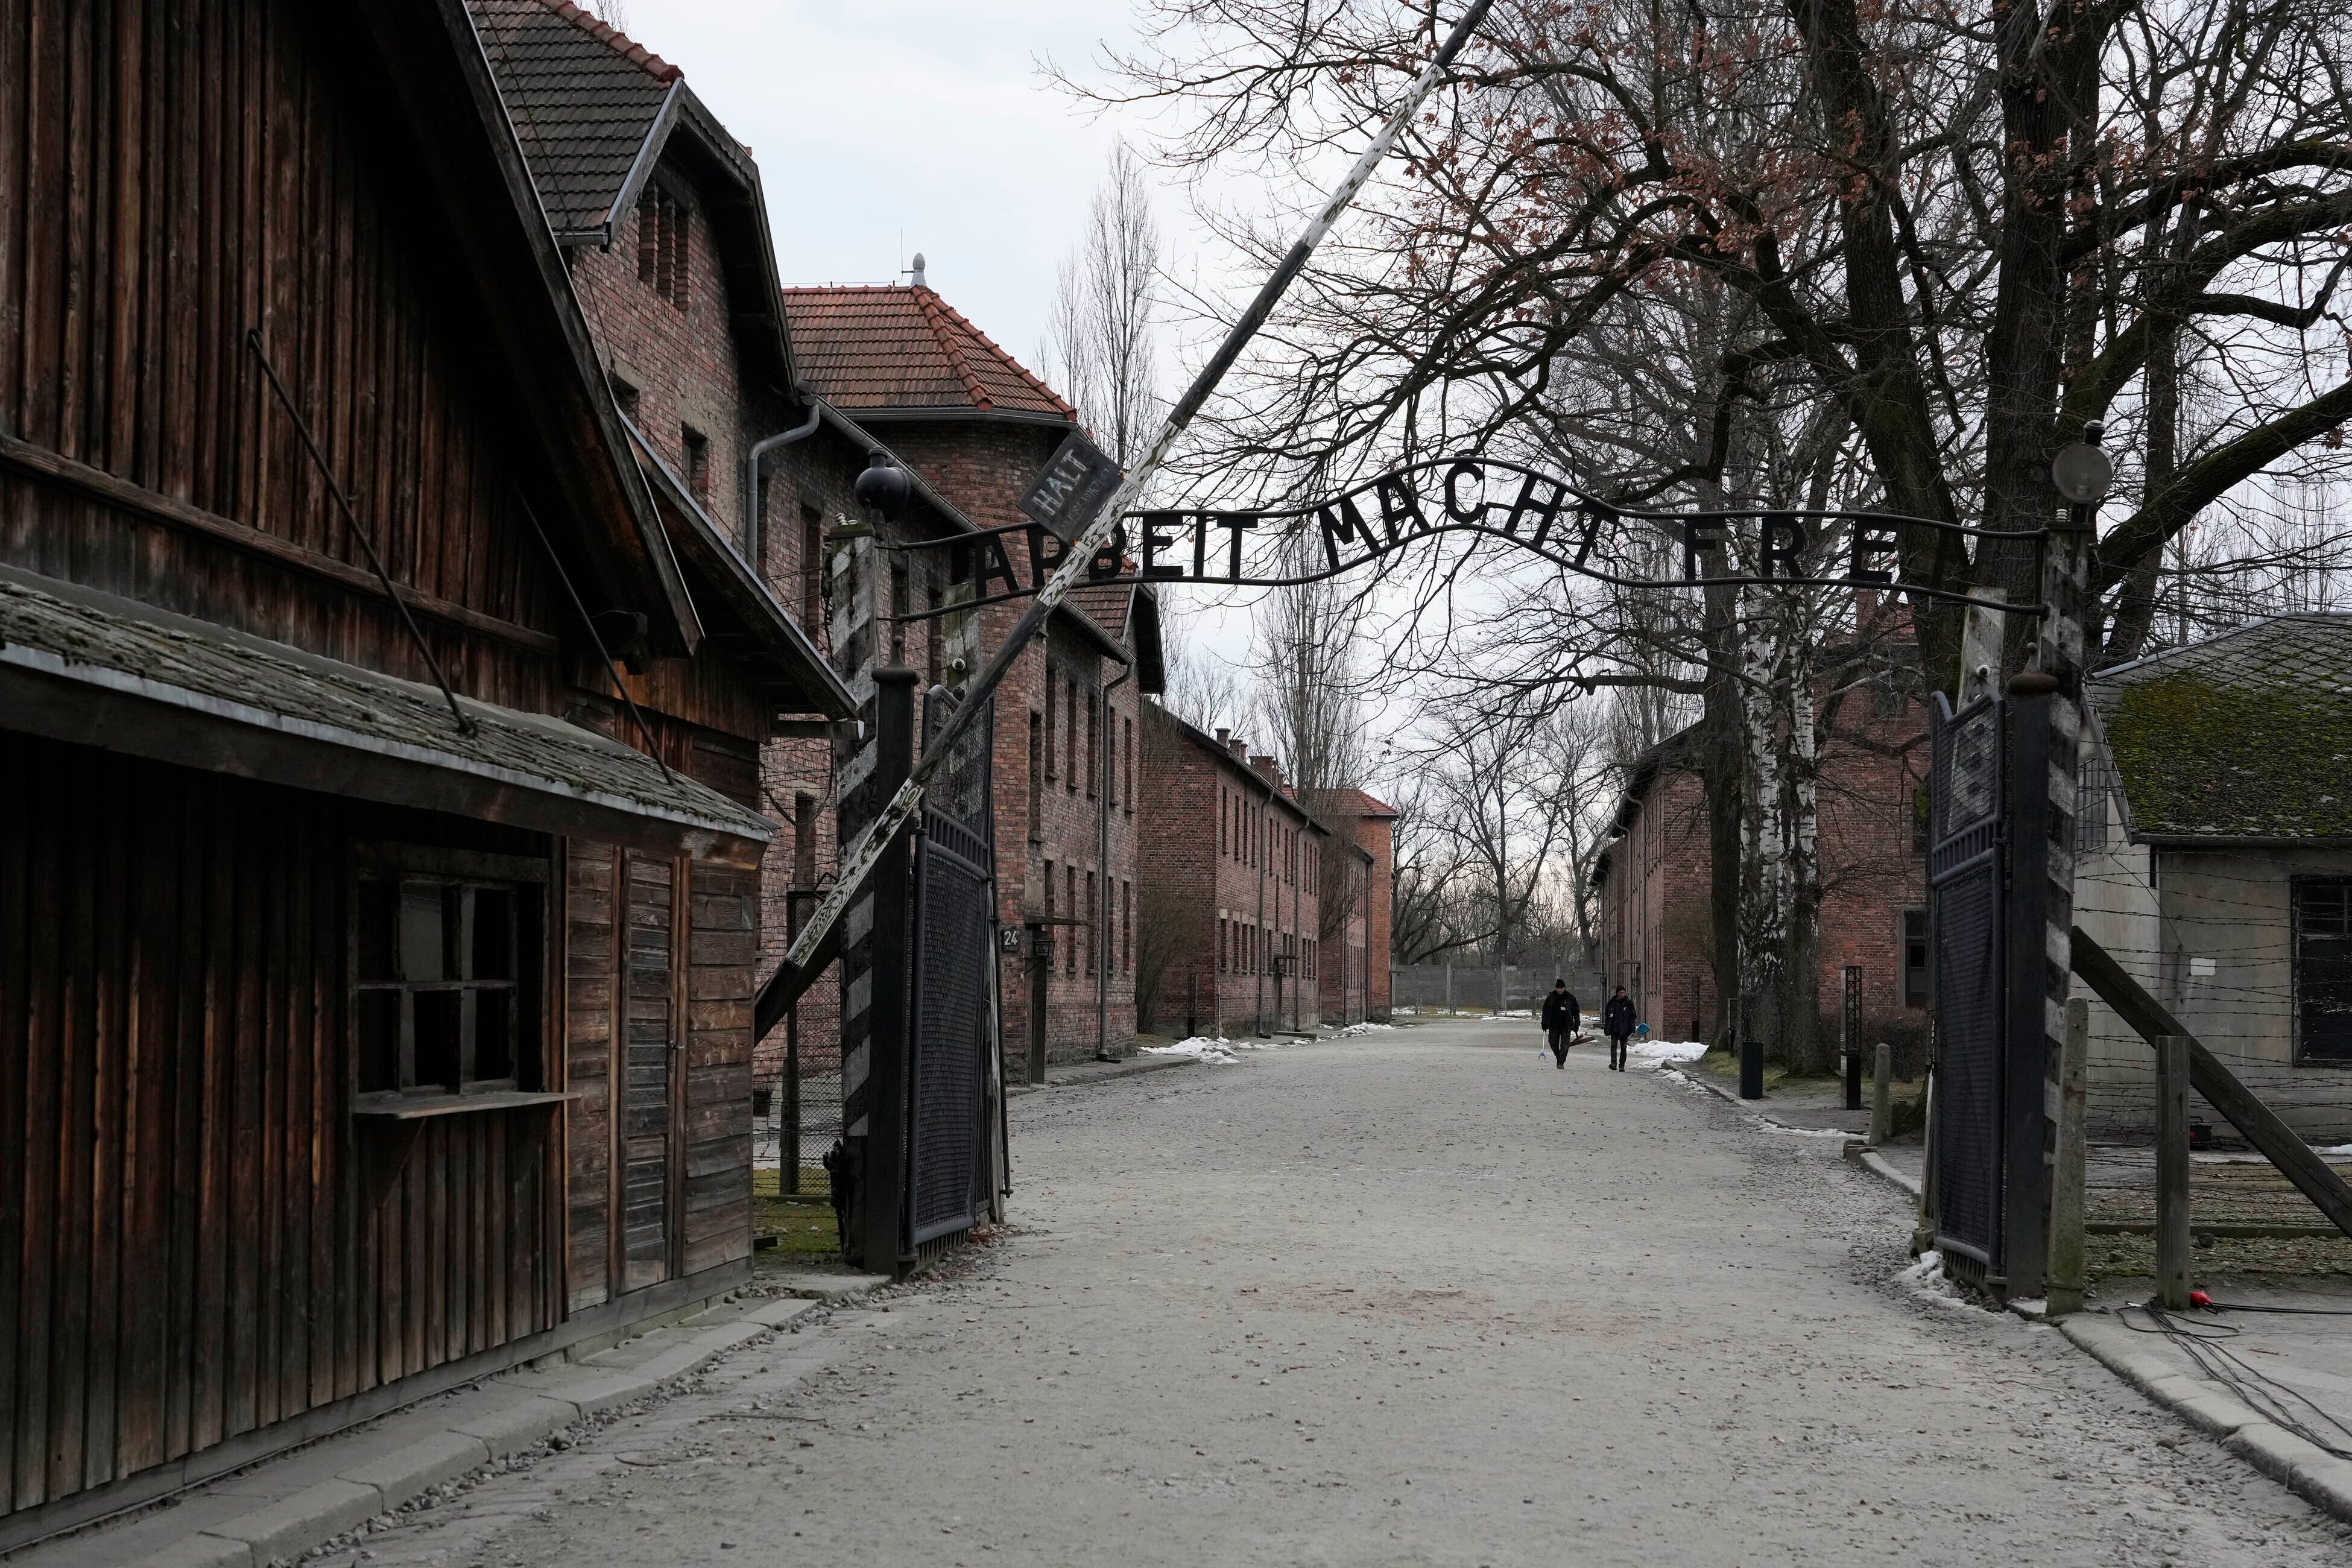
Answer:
(916, 277)
(1225, 738)
(1239, 751)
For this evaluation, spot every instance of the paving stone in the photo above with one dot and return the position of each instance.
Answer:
(776, 1314)
(516, 1426)
(200, 1552)
(413, 1468)
(595, 1394)
(828, 1286)
(293, 1525)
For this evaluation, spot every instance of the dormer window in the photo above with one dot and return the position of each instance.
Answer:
(661, 244)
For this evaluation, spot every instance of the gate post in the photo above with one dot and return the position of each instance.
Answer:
(2025, 1142)
(883, 1187)
(2049, 725)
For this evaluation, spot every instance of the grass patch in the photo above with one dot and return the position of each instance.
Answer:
(800, 1222)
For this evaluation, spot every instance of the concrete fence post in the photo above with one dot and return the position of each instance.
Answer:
(2064, 1291)
(2172, 1171)
(1882, 1094)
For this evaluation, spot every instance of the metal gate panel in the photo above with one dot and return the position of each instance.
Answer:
(951, 1038)
(1967, 937)
(947, 1094)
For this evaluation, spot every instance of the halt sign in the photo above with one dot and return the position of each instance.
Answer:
(1072, 487)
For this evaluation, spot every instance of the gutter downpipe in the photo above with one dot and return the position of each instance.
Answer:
(1106, 948)
(815, 406)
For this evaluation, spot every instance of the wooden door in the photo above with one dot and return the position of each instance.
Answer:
(645, 1126)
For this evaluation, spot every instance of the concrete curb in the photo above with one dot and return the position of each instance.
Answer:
(545, 1400)
(1871, 1160)
(2317, 1477)
(1082, 1075)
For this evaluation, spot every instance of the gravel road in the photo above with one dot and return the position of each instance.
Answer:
(1413, 1298)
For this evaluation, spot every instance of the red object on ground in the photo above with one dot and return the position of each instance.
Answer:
(2199, 1299)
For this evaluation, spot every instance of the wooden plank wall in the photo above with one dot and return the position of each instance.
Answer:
(591, 965)
(719, 984)
(199, 167)
(188, 1246)
(646, 1139)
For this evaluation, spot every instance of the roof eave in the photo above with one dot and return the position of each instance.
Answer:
(901, 414)
(529, 299)
(815, 681)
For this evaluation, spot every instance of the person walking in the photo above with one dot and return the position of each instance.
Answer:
(1561, 1017)
(1617, 1022)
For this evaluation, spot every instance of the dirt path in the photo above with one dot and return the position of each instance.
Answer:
(1410, 1298)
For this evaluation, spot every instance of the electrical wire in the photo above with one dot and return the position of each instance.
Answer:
(2206, 1344)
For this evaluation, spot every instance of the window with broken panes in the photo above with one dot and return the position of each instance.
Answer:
(446, 995)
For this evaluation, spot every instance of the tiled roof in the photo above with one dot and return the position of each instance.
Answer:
(1362, 804)
(888, 346)
(582, 98)
(1105, 603)
(2246, 735)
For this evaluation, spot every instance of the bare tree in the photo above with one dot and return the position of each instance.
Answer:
(1966, 234)
(1204, 688)
(1099, 347)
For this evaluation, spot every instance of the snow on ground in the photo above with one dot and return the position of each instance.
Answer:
(1925, 1280)
(1354, 1029)
(1663, 1053)
(1200, 1047)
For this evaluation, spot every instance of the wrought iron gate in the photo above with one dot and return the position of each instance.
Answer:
(952, 1044)
(1967, 937)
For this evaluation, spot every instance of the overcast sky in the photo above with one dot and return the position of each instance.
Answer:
(926, 119)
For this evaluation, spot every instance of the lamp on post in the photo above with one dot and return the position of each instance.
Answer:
(884, 487)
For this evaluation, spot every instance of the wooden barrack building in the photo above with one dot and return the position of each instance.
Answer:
(374, 981)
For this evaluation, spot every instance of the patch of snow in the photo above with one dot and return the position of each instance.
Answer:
(1659, 1053)
(2340, 1150)
(1772, 1126)
(1200, 1047)
(1925, 1280)
(1364, 1028)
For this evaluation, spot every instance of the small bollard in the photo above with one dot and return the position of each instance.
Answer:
(1752, 1070)
(1882, 1094)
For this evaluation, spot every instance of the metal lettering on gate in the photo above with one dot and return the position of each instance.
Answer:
(1967, 936)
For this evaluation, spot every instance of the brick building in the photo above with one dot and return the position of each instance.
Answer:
(1359, 883)
(974, 427)
(1653, 878)
(1236, 872)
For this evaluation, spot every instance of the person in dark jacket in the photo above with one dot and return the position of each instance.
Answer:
(1617, 1022)
(1561, 1019)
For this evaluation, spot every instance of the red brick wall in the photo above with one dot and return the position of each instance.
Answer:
(1367, 994)
(686, 364)
(1212, 830)
(1655, 925)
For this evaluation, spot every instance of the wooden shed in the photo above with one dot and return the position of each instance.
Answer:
(376, 952)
